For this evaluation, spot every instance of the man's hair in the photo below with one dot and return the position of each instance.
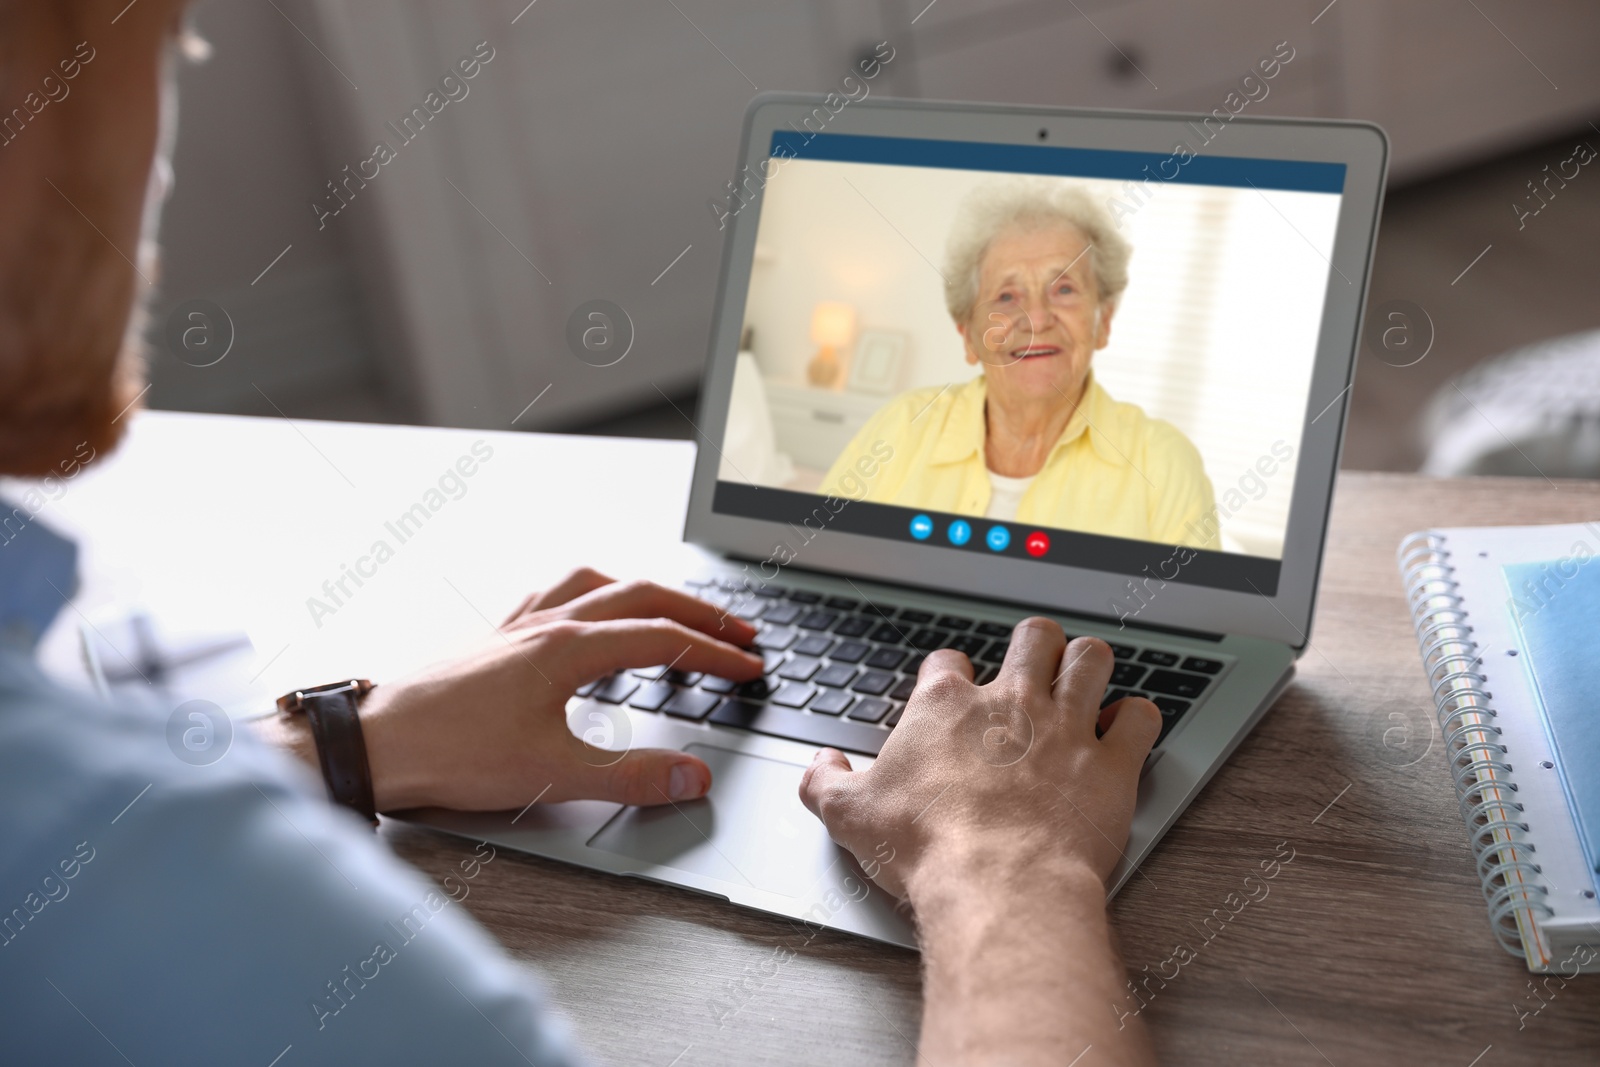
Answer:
(1029, 203)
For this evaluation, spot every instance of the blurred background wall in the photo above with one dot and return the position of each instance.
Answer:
(578, 163)
(248, 159)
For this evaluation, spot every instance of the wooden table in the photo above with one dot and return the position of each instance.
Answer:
(1372, 946)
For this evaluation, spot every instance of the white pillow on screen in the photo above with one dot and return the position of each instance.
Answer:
(749, 447)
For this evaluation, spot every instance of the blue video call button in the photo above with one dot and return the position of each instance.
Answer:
(998, 538)
(959, 532)
(921, 527)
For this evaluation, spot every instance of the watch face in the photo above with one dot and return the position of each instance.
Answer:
(292, 702)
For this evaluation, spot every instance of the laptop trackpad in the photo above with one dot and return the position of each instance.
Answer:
(751, 830)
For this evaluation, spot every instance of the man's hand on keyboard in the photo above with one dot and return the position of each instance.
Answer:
(1011, 770)
(489, 731)
(998, 812)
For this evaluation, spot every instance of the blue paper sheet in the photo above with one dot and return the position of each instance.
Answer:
(1555, 607)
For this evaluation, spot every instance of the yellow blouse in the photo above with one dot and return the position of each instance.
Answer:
(1115, 471)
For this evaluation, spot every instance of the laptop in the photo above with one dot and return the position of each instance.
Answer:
(1183, 521)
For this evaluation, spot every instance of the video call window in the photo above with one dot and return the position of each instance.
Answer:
(1046, 338)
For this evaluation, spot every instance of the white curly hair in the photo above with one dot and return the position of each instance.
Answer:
(1009, 203)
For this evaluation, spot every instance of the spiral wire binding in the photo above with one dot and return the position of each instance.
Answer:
(1484, 789)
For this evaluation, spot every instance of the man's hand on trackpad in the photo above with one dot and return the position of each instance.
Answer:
(489, 732)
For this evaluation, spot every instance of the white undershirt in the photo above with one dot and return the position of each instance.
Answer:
(1004, 496)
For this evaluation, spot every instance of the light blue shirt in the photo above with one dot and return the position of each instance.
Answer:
(156, 912)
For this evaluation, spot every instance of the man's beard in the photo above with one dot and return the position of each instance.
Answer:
(75, 392)
(73, 319)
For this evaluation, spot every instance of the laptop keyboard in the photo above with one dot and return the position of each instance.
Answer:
(839, 670)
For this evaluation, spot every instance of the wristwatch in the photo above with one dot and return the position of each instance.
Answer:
(331, 711)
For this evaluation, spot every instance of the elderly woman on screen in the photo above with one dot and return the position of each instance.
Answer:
(1034, 272)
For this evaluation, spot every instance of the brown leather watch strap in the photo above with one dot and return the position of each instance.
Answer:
(332, 713)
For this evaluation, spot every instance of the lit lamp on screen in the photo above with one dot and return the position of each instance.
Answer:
(833, 325)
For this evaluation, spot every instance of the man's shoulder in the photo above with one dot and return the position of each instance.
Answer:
(49, 733)
(115, 839)
(68, 760)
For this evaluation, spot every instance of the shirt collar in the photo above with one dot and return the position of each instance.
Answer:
(962, 434)
(38, 568)
(965, 426)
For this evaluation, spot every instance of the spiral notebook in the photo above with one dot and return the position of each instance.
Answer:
(1538, 885)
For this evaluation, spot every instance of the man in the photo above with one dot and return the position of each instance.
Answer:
(149, 915)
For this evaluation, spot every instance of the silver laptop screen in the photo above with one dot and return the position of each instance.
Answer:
(1059, 355)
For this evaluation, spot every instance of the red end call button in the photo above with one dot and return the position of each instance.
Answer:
(1038, 543)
